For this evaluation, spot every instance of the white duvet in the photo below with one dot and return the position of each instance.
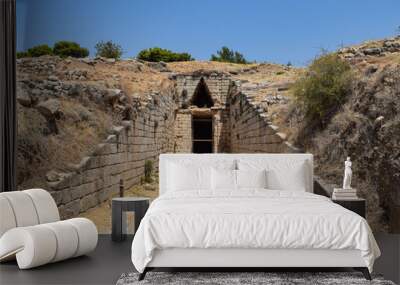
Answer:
(250, 219)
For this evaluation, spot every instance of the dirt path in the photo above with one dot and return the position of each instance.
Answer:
(101, 215)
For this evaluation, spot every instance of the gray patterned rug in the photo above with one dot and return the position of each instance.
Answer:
(243, 278)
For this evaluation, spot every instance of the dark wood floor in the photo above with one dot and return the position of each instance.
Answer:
(110, 260)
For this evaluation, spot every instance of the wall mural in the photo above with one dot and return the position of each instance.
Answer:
(91, 124)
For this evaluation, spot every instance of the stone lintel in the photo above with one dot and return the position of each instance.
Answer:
(201, 112)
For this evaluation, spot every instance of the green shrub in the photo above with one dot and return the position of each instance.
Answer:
(324, 86)
(227, 55)
(108, 49)
(22, 54)
(39, 50)
(159, 54)
(148, 171)
(66, 48)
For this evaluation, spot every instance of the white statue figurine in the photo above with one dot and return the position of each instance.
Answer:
(347, 174)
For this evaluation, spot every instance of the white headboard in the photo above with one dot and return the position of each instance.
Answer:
(165, 158)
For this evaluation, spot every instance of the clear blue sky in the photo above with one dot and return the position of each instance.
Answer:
(275, 30)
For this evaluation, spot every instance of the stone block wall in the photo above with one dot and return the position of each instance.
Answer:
(183, 131)
(121, 156)
(221, 130)
(238, 124)
(218, 85)
(250, 129)
(158, 126)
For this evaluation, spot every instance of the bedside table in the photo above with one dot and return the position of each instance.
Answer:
(120, 205)
(358, 205)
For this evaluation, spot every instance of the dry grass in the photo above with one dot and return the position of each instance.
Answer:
(39, 152)
(272, 73)
(84, 123)
(190, 66)
(288, 117)
(134, 78)
(32, 160)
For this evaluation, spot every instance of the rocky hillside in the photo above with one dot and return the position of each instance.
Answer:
(366, 127)
(67, 106)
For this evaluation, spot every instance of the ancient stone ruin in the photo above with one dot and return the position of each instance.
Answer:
(199, 107)
(208, 112)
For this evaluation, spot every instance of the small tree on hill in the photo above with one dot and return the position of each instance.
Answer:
(39, 50)
(22, 54)
(66, 48)
(108, 49)
(227, 55)
(324, 87)
(157, 54)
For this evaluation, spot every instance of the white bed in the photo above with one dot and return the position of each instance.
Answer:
(281, 225)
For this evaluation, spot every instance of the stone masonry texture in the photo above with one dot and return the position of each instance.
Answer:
(164, 125)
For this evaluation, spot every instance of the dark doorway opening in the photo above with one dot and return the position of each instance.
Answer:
(202, 97)
(202, 135)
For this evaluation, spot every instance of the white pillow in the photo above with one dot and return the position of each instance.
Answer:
(198, 160)
(251, 178)
(282, 174)
(293, 180)
(184, 178)
(223, 179)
